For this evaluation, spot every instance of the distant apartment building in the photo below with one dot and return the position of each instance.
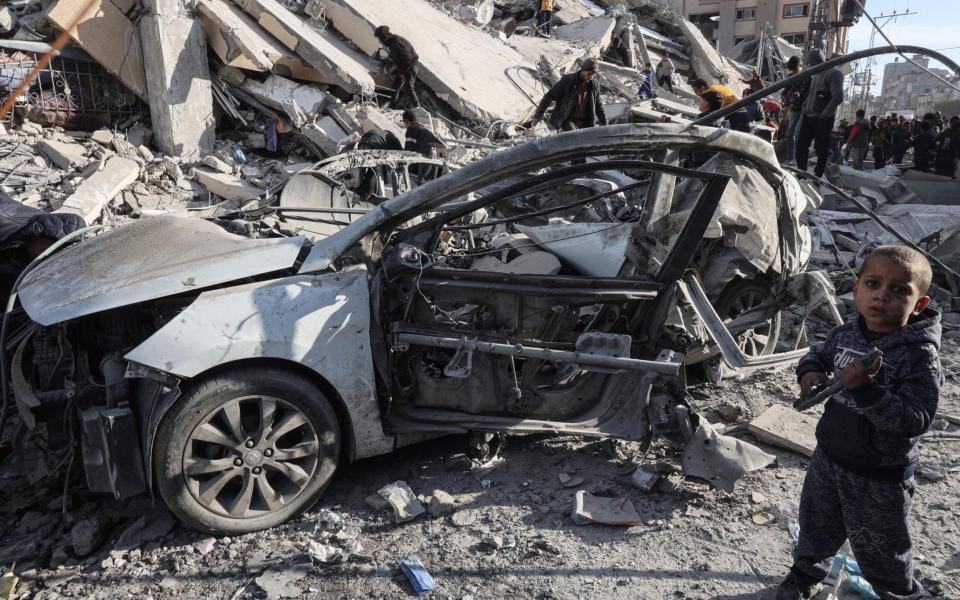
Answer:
(907, 87)
(732, 21)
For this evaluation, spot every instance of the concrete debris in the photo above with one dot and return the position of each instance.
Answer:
(227, 186)
(607, 511)
(402, 500)
(66, 155)
(441, 504)
(99, 189)
(782, 426)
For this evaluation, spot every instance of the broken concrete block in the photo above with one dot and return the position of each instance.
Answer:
(448, 50)
(66, 155)
(441, 504)
(104, 137)
(217, 165)
(100, 188)
(782, 426)
(275, 91)
(178, 79)
(705, 60)
(106, 34)
(373, 118)
(594, 33)
(608, 511)
(334, 64)
(227, 186)
(325, 134)
(8, 20)
(405, 505)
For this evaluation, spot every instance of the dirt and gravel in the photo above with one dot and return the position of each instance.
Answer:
(510, 534)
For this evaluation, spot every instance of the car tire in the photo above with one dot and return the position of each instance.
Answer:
(741, 295)
(216, 482)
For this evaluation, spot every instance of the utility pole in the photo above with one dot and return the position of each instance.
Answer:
(865, 92)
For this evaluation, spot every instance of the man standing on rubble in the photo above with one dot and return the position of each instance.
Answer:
(577, 99)
(665, 71)
(403, 64)
(948, 150)
(819, 110)
(793, 97)
(859, 140)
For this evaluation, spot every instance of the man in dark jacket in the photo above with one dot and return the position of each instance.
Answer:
(901, 140)
(792, 99)
(419, 138)
(403, 64)
(819, 110)
(378, 139)
(577, 99)
(948, 149)
(923, 143)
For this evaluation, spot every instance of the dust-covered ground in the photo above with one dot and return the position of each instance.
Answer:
(695, 542)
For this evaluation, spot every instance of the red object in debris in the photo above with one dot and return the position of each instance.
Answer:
(771, 106)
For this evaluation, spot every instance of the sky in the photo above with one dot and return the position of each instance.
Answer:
(935, 26)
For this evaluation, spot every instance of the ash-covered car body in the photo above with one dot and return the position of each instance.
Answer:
(233, 375)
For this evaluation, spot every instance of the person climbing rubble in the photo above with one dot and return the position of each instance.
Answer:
(646, 82)
(665, 71)
(577, 101)
(859, 485)
(403, 65)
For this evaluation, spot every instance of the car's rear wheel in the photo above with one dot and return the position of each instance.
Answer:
(246, 450)
(739, 297)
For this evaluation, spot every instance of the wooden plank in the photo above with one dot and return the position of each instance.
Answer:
(782, 426)
(108, 36)
(335, 65)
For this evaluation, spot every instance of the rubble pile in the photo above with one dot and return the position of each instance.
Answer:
(268, 88)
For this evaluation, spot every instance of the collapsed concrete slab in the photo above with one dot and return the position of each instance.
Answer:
(325, 134)
(559, 54)
(100, 188)
(705, 61)
(227, 186)
(593, 34)
(107, 35)
(276, 92)
(477, 75)
(296, 35)
(240, 42)
(571, 11)
(178, 79)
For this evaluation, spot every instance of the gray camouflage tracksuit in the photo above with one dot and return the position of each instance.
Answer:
(859, 484)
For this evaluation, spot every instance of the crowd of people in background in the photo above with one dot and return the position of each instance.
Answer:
(935, 141)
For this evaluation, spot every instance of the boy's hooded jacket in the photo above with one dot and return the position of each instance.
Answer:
(873, 430)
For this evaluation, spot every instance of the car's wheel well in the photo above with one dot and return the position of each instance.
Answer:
(348, 443)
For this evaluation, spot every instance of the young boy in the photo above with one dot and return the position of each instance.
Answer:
(859, 485)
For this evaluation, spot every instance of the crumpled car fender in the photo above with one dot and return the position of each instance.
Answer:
(320, 322)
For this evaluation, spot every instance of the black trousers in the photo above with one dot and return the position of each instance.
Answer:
(817, 130)
(545, 21)
(836, 505)
(405, 84)
(879, 158)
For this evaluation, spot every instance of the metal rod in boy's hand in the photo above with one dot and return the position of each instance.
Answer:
(823, 392)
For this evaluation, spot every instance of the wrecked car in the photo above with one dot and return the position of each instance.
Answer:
(557, 286)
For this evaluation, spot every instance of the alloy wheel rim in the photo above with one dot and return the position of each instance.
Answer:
(250, 456)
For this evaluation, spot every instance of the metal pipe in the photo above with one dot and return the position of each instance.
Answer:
(811, 71)
(587, 360)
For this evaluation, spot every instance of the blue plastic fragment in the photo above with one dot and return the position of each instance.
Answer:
(417, 574)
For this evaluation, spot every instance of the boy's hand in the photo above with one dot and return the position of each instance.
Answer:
(808, 380)
(856, 373)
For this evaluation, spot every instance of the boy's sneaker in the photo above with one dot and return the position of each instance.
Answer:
(793, 589)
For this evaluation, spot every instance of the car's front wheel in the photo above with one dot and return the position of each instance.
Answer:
(246, 450)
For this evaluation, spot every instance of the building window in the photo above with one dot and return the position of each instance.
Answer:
(796, 10)
(746, 14)
(796, 39)
(737, 40)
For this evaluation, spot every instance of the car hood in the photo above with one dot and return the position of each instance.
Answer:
(147, 259)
